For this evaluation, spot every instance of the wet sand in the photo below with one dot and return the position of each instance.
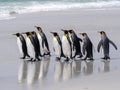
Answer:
(55, 75)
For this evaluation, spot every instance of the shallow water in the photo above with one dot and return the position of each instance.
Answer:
(50, 71)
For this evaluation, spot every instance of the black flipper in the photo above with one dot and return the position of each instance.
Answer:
(60, 43)
(79, 39)
(84, 48)
(99, 45)
(43, 41)
(113, 44)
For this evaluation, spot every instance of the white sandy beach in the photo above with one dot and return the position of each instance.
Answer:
(97, 75)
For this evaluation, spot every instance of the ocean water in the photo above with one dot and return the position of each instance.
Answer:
(10, 7)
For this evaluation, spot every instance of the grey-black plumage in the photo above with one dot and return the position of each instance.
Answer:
(37, 42)
(104, 43)
(87, 47)
(76, 43)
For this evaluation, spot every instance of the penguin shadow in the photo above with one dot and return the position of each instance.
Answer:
(88, 68)
(58, 70)
(67, 71)
(22, 72)
(33, 72)
(44, 68)
(76, 68)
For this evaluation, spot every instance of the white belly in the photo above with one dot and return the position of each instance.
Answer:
(40, 42)
(66, 47)
(30, 48)
(19, 45)
(57, 47)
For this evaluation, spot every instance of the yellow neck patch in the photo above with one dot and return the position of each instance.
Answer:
(55, 38)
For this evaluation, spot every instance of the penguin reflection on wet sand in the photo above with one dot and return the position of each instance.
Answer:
(104, 43)
(58, 70)
(43, 41)
(66, 45)
(57, 45)
(22, 45)
(31, 46)
(75, 43)
(87, 47)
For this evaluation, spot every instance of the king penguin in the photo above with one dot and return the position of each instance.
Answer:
(87, 47)
(57, 45)
(31, 46)
(75, 43)
(22, 45)
(43, 42)
(37, 42)
(104, 42)
(66, 45)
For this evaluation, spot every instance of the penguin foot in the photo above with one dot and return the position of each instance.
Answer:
(38, 59)
(67, 59)
(91, 59)
(84, 59)
(80, 56)
(34, 60)
(41, 55)
(30, 60)
(105, 58)
(47, 54)
(28, 56)
(22, 58)
(57, 58)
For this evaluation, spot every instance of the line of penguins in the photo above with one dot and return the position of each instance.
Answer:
(35, 45)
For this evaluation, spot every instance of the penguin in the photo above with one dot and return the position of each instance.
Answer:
(31, 46)
(66, 45)
(22, 45)
(43, 42)
(87, 47)
(104, 43)
(57, 45)
(37, 41)
(75, 43)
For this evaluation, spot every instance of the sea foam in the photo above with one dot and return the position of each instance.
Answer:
(8, 9)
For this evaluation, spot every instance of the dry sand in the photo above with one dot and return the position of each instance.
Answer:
(50, 74)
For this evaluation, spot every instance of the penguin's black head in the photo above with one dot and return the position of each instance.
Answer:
(33, 32)
(17, 34)
(83, 34)
(38, 28)
(65, 31)
(27, 33)
(102, 32)
(54, 33)
(71, 31)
